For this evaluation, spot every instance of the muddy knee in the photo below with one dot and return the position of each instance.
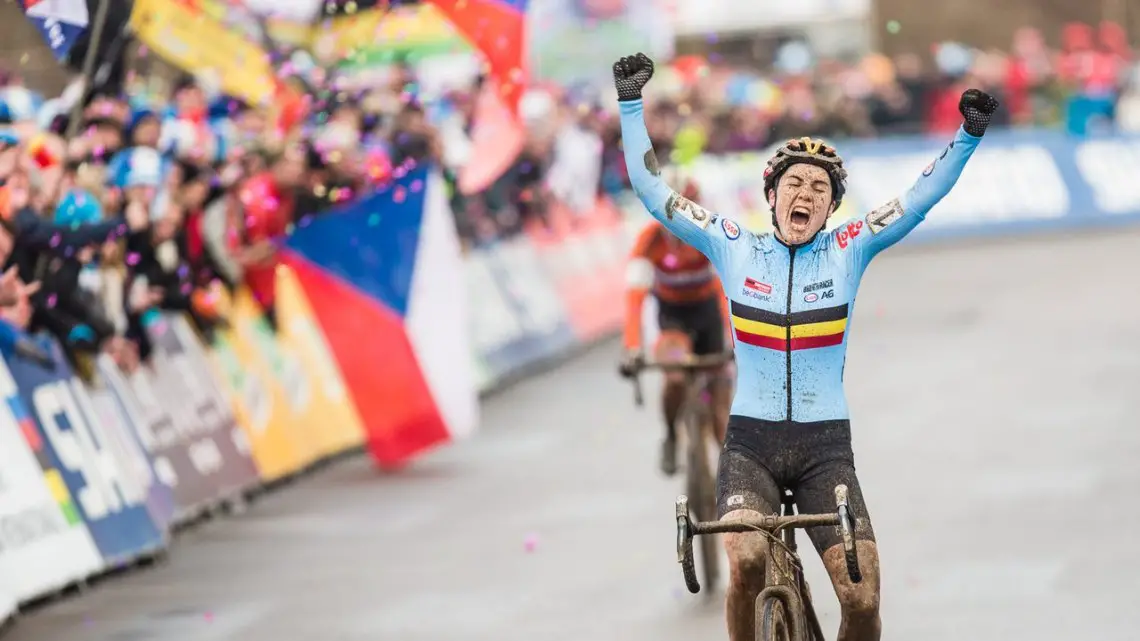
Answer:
(857, 600)
(747, 552)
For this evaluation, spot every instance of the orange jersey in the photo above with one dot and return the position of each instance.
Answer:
(673, 271)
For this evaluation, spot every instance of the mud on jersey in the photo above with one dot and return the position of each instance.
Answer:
(790, 307)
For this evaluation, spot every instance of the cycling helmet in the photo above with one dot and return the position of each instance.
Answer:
(814, 152)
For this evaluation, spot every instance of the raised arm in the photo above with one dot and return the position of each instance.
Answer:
(689, 221)
(891, 223)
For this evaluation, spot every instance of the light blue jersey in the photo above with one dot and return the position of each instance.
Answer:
(790, 308)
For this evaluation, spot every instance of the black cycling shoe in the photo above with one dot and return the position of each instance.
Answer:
(669, 456)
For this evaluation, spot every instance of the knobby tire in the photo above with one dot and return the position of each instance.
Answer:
(772, 621)
(702, 491)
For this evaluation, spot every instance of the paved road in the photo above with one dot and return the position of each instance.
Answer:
(995, 392)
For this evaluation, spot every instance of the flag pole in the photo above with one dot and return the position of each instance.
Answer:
(88, 67)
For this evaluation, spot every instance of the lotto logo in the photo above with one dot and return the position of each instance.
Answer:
(845, 234)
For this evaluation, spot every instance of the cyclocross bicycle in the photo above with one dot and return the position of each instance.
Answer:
(784, 610)
(695, 421)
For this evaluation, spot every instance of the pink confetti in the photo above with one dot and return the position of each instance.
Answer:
(133, 259)
(417, 186)
(530, 543)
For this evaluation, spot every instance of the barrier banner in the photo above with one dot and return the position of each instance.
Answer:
(259, 405)
(217, 447)
(283, 371)
(518, 318)
(44, 543)
(584, 254)
(77, 444)
(186, 458)
(122, 425)
(169, 455)
(330, 415)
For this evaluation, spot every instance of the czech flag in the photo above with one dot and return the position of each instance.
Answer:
(61, 22)
(386, 282)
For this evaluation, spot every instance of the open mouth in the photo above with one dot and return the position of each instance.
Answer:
(800, 217)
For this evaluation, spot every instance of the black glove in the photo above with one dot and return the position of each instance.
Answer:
(977, 107)
(631, 73)
(631, 363)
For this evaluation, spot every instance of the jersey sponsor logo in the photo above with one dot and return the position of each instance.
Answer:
(731, 229)
(845, 234)
(678, 204)
(823, 284)
(812, 297)
(757, 286)
(884, 216)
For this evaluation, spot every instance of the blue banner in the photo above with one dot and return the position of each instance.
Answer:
(80, 447)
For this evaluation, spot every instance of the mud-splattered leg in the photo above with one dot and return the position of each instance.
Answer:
(859, 602)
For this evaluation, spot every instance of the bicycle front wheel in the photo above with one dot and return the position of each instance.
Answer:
(702, 491)
(772, 620)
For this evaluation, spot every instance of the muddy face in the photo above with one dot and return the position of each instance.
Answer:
(802, 202)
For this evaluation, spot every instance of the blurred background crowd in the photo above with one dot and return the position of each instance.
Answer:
(132, 185)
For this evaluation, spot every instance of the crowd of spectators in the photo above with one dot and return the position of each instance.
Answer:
(1089, 82)
(167, 203)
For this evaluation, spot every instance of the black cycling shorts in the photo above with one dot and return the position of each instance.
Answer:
(701, 321)
(761, 459)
